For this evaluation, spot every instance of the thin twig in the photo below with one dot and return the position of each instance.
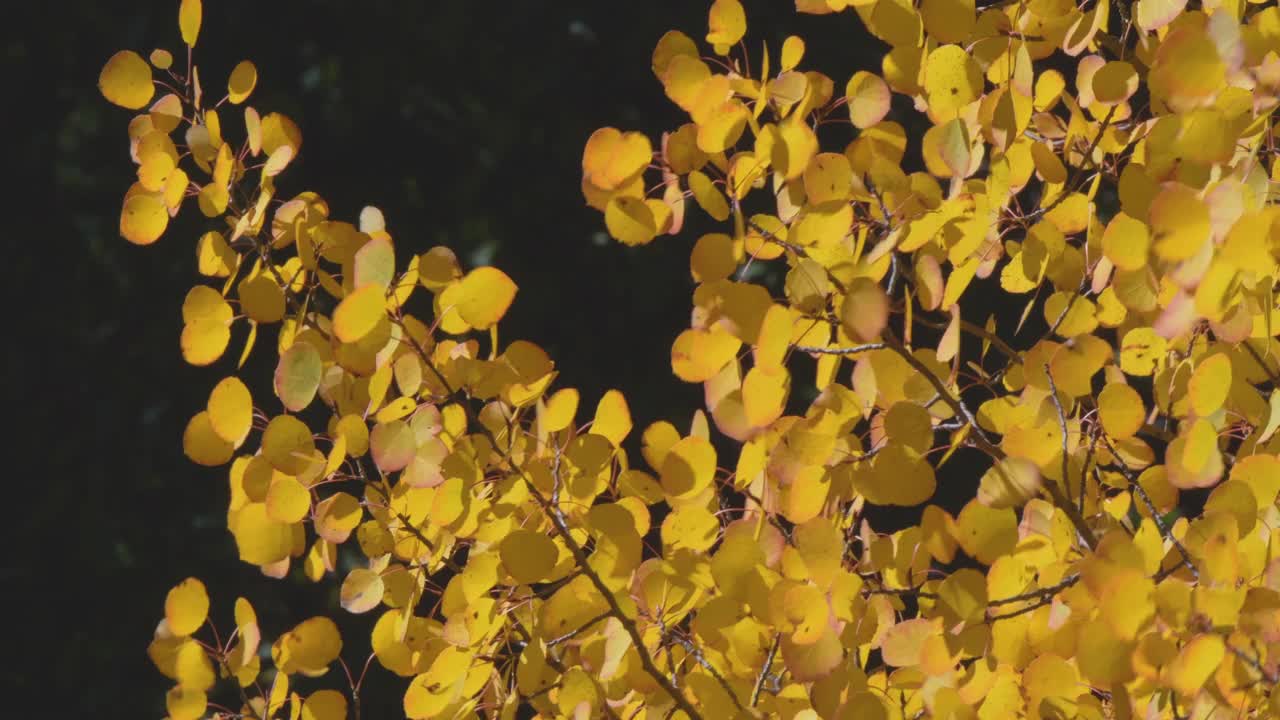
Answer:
(764, 670)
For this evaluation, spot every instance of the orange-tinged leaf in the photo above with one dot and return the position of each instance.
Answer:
(126, 80)
(186, 607)
(359, 313)
(902, 644)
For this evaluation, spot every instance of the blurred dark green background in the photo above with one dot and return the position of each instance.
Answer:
(463, 121)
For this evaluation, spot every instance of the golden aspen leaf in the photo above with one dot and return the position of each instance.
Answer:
(528, 556)
(612, 157)
(1048, 165)
(362, 591)
(244, 77)
(203, 341)
(764, 394)
(161, 59)
(126, 80)
(1121, 411)
(821, 546)
(683, 79)
(630, 220)
(262, 299)
(288, 500)
(671, 44)
(374, 264)
(946, 149)
(902, 644)
(1047, 677)
(948, 21)
(698, 355)
(279, 131)
(259, 539)
(204, 446)
(688, 468)
(1209, 384)
(708, 197)
(1009, 483)
(1048, 89)
(964, 593)
(712, 258)
(144, 218)
(792, 53)
(1140, 351)
(358, 313)
(336, 516)
(297, 376)
(186, 607)
(722, 127)
(1194, 665)
(800, 610)
(324, 705)
(214, 257)
(1180, 224)
(896, 22)
(189, 16)
(613, 418)
(560, 410)
(438, 268)
(183, 703)
(1187, 71)
(287, 444)
(1115, 82)
(690, 526)
(1154, 14)
(986, 533)
(393, 445)
(231, 410)
(1125, 242)
(308, 648)
(952, 79)
(726, 24)
(864, 313)
(868, 98)
(827, 178)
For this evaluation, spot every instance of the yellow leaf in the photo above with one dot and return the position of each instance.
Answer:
(185, 703)
(952, 79)
(231, 410)
(1009, 483)
(126, 80)
(613, 418)
(189, 15)
(1209, 384)
(688, 468)
(1194, 664)
(144, 218)
(204, 446)
(242, 81)
(865, 310)
(362, 591)
(611, 158)
(1121, 411)
(726, 24)
(325, 705)
(690, 526)
(186, 607)
(287, 444)
(359, 313)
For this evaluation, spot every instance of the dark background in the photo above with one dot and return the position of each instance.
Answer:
(463, 121)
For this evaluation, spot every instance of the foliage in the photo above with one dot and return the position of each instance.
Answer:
(516, 558)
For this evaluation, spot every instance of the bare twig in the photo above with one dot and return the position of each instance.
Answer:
(764, 669)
